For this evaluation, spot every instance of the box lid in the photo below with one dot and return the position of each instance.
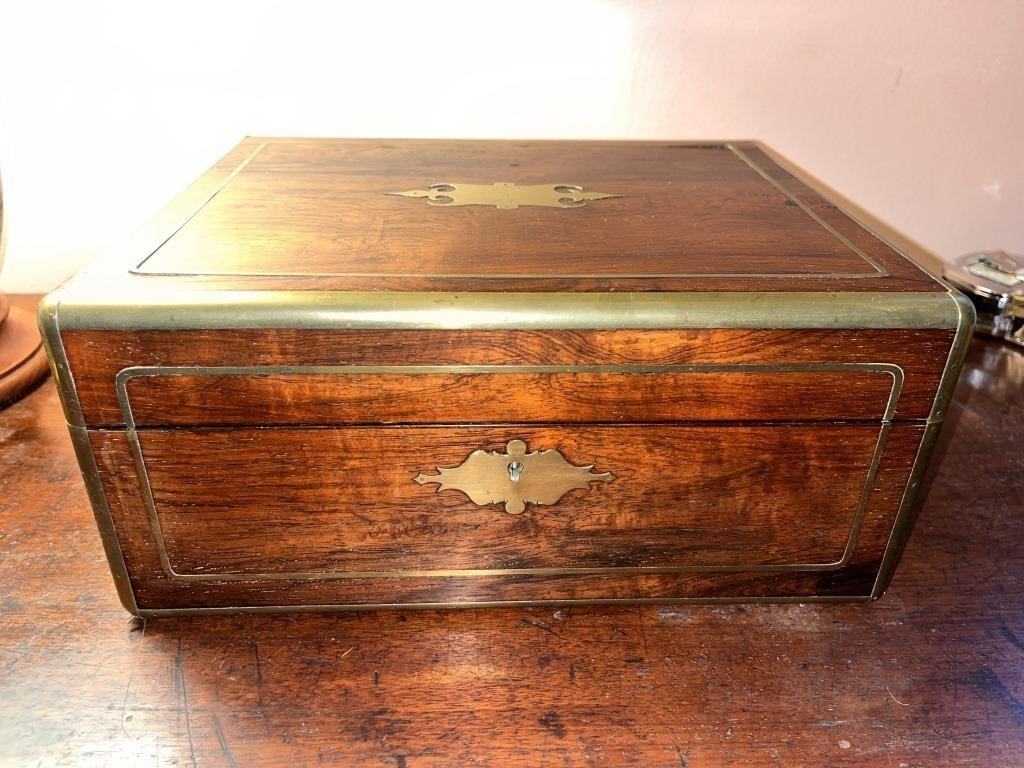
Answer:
(510, 233)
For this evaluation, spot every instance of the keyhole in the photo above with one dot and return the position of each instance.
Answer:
(515, 470)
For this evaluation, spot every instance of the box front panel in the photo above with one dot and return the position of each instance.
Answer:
(335, 502)
(255, 534)
(277, 468)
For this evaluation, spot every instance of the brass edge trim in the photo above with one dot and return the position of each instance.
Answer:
(155, 613)
(512, 139)
(545, 276)
(104, 520)
(906, 515)
(880, 271)
(126, 374)
(157, 310)
(205, 201)
(865, 494)
(966, 318)
(907, 512)
(49, 325)
(48, 317)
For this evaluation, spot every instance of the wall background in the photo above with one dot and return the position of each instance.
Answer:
(914, 110)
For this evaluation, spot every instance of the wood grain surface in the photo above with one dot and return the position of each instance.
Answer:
(930, 675)
(287, 524)
(404, 397)
(98, 356)
(686, 216)
(344, 500)
(799, 505)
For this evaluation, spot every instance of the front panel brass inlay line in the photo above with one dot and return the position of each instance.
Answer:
(125, 375)
(515, 478)
(506, 195)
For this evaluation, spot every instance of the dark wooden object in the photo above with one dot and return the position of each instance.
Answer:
(930, 676)
(22, 357)
(259, 386)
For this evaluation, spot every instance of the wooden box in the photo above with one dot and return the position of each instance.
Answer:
(352, 373)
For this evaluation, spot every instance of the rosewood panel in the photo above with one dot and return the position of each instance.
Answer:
(97, 356)
(350, 396)
(336, 500)
(685, 217)
(154, 588)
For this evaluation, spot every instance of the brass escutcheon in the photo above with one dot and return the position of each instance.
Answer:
(515, 478)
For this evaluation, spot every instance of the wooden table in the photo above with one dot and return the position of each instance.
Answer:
(932, 674)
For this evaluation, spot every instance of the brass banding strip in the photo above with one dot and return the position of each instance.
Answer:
(303, 608)
(149, 308)
(49, 325)
(880, 271)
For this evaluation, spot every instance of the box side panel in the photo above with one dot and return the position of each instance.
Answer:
(909, 508)
(49, 324)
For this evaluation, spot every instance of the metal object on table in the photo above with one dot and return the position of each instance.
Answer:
(994, 280)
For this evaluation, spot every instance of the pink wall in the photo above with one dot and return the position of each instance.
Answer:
(915, 110)
(912, 109)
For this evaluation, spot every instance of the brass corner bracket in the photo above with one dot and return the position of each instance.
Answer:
(515, 478)
(506, 195)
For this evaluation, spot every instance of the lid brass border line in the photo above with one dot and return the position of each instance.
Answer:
(125, 375)
(877, 269)
(880, 271)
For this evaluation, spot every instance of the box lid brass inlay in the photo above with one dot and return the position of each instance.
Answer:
(515, 478)
(505, 194)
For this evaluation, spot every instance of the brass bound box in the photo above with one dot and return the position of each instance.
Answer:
(353, 373)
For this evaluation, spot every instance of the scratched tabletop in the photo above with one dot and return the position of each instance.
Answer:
(932, 674)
